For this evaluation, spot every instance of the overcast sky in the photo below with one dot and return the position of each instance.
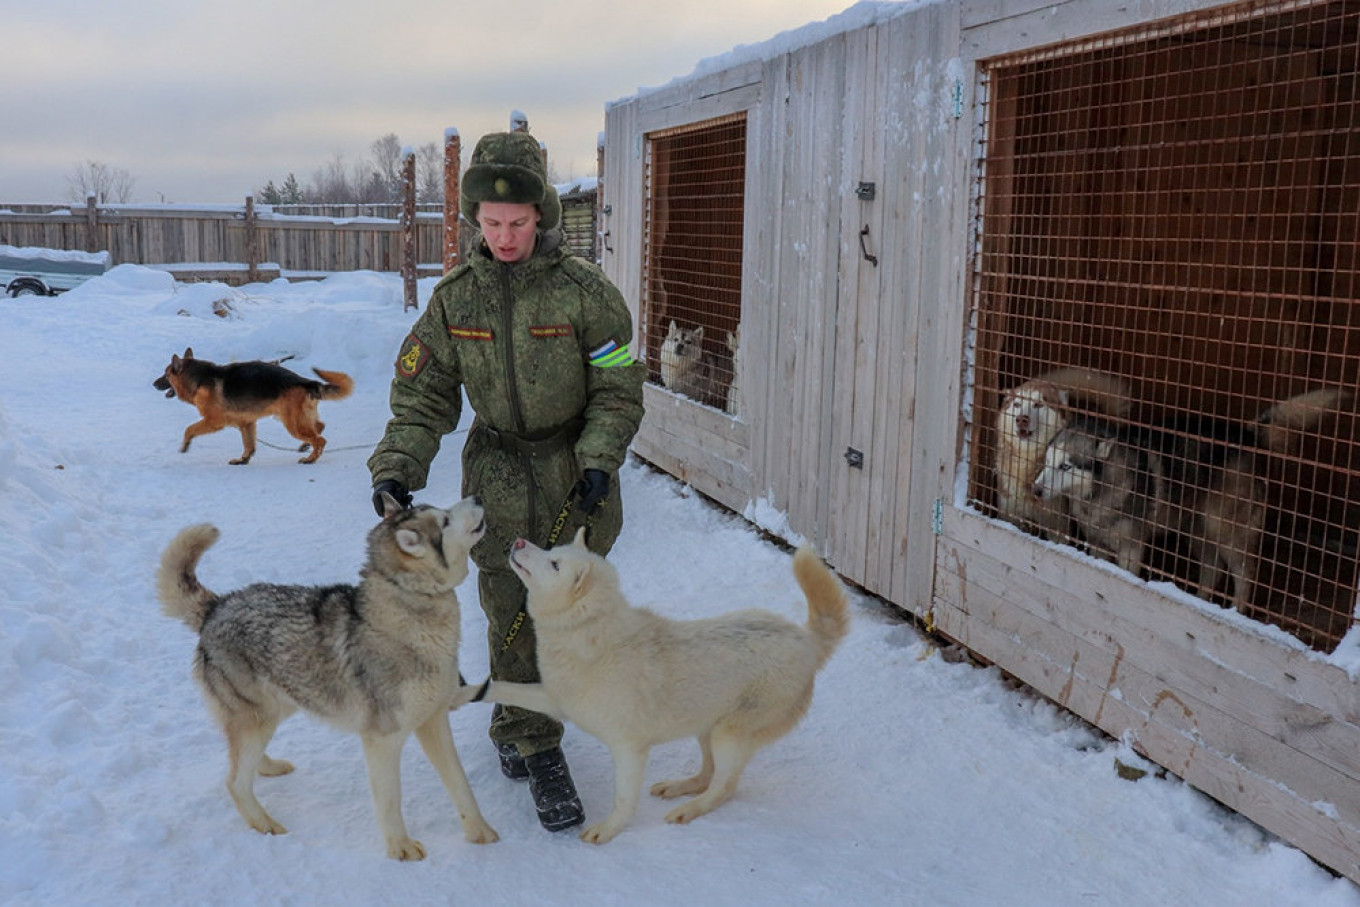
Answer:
(207, 101)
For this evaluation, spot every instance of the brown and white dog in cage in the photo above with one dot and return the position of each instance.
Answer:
(1199, 478)
(1030, 416)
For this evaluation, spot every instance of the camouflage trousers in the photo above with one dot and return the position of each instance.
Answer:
(522, 495)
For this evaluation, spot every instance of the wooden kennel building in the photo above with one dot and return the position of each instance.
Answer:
(888, 226)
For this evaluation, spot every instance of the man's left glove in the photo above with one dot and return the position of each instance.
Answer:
(591, 490)
(395, 489)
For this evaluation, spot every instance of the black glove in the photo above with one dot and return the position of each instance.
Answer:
(395, 489)
(592, 488)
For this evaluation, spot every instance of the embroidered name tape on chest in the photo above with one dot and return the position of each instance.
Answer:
(551, 330)
(469, 333)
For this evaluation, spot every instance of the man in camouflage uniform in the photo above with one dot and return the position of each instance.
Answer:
(539, 340)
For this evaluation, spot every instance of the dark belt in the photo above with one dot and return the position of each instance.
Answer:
(534, 446)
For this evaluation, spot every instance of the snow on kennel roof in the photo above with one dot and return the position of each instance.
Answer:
(862, 14)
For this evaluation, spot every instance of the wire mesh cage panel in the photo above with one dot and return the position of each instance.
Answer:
(693, 220)
(1167, 328)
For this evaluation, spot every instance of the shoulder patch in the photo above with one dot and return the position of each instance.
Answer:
(413, 358)
(610, 355)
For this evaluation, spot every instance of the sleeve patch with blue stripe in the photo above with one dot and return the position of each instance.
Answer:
(610, 355)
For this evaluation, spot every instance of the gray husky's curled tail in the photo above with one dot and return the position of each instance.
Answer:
(828, 620)
(177, 585)
(1278, 427)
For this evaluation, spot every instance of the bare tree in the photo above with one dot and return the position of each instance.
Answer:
(430, 172)
(386, 159)
(378, 179)
(337, 183)
(107, 184)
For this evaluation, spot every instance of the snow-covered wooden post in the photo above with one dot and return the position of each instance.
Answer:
(453, 166)
(408, 227)
(519, 122)
(91, 222)
(252, 242)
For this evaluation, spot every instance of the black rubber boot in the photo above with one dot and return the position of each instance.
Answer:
(512, 763)
(554, 793)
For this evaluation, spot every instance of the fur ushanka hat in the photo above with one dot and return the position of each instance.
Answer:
(508, 167)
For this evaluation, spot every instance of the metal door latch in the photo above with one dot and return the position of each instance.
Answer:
(864, 247)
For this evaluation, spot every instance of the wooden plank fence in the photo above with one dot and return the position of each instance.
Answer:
(218, 240)
(212, 235)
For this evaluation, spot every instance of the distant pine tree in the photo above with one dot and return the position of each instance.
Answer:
(289, 194)
(270, 194)
(291, 191)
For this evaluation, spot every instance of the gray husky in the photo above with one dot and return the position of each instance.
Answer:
(686, 367)
(379, 659)
(1125, 486)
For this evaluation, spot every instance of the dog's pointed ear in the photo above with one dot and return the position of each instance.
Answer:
(1104, 448)
(579, 540)
(391, 506)
(411, 542)
(188, 352)
(698, 334)
(582, 578)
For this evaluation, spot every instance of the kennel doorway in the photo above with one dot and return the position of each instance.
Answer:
(1179, 205)
(693, 222)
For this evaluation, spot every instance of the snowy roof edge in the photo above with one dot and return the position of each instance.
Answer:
(860, 15)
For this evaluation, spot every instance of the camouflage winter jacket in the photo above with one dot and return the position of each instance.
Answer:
(537, 345)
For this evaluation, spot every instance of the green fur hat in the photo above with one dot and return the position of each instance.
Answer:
(508, 167)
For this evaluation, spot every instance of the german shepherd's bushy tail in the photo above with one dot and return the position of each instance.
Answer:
(177, 585)
(337, 385)
(1279, 426)
(828, 616)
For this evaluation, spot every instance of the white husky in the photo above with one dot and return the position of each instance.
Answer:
(633, 678)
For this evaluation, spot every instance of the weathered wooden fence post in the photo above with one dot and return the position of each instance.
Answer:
(598, 250)
(408, 228)
(91, 223)
(453, 165)
(252, 242)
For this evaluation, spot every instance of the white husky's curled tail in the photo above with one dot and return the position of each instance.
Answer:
(828, 615)
(177, 585)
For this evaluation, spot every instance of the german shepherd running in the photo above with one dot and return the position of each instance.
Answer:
(379, 659)
(242, 393)
(1198, 478)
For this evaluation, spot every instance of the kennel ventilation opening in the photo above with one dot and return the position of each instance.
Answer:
(695, 184)
(1179, 205)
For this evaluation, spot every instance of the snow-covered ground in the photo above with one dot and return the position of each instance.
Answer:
(915, 779)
